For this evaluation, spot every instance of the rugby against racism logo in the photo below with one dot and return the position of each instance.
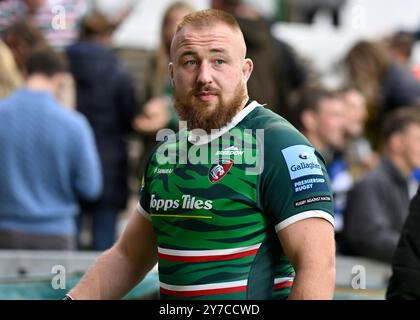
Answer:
(219, 169)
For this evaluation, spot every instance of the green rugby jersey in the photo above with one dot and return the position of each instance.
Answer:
(216, 202)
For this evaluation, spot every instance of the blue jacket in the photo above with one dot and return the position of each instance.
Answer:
(48, 161)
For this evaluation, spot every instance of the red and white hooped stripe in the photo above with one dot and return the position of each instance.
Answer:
(216, 288)
(283, 282)
(203, 289)
(207, 255)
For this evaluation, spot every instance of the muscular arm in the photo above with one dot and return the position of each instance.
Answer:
(120, 268)
(310, 247)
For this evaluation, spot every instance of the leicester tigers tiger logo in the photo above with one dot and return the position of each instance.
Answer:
(219, 169)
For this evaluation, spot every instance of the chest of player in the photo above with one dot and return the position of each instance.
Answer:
(202, 188)
(215, 207)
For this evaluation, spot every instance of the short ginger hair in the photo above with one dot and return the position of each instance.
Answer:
(206, 18)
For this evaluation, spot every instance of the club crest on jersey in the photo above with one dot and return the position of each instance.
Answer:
(219, 169)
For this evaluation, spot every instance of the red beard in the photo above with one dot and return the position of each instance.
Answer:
(200, 115)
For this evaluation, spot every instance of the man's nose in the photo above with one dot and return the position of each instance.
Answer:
(204, 73)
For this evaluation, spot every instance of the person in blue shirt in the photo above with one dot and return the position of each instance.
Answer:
(48, 161)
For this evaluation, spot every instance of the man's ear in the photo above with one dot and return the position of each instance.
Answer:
(247, 68)
(171, 72)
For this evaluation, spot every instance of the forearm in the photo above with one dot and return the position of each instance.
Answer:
(313, 284)
(111, 277)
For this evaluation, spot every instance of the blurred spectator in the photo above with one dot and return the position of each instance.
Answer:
(405, 279)
(358, 152)
(386, 84)
(105, 95)
(401, 46)
(159, 112)
(22, 38)
(378, 204)
(48, 160)
(320, 115)
(306, 10)
(159, 80)
(277, 72)
(12, 11)
(9, 75)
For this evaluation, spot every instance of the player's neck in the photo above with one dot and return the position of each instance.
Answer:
(244, 103)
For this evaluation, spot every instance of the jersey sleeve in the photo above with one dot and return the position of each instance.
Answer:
(294, 184)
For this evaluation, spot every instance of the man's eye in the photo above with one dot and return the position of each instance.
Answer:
(191, 62)
(220, 61)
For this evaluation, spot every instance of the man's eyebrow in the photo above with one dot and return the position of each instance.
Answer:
(218, 50)
(194, 53)
(188, 53)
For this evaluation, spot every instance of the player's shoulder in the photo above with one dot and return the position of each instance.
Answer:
(282, 141)
(277, 131)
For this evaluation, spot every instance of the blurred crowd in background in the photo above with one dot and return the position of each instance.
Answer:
(363, 114)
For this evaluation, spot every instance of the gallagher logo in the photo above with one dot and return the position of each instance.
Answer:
(219, 169)
(303, 156)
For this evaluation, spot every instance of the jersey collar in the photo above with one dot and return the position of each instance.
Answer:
(204, 139)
